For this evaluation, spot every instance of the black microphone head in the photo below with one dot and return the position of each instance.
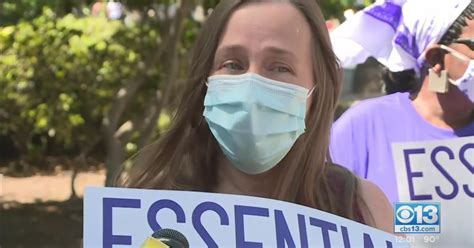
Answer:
(171, 238)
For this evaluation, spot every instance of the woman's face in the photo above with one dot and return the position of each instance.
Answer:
(272, 39)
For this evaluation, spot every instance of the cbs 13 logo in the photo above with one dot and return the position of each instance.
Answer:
(417, 214)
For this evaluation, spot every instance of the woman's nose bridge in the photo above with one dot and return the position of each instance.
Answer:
(255, 67)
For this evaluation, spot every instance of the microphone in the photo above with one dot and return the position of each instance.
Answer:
(166, 238)
(151, 242)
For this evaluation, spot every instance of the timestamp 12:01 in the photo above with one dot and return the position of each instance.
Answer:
(411, 239)
(405, 239)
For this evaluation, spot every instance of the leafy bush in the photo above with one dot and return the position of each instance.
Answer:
(59, 76)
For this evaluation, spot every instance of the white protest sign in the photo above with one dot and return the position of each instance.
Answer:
(117, 217)
(440, 171)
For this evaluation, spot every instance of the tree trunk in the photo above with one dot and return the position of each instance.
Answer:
(149, 125)
(81, 162)
(115, 158)
(171, 65)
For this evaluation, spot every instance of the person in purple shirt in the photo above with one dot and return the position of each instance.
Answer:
(432, 44)
(361, 139)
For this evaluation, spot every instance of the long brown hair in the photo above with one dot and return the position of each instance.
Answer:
(185, 156)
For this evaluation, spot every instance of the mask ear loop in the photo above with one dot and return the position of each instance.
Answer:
(201, 120)
(311, 91)
(455, 53)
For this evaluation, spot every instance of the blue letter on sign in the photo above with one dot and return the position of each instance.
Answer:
(240, 211)
(444, 172)
(470, 167)
(282, 231)
(200, 209)
(411, 175)
(303, 234)
(157, 206)
(325, 227)
(108, 238)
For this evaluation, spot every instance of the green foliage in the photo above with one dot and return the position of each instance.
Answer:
(59, 75)
(11, 11)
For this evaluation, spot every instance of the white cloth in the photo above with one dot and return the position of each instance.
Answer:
(395, 32)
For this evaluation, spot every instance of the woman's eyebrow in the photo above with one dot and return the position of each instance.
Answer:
(239, 49)
(281, 52)
(230, 49)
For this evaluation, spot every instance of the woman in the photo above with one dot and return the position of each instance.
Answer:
(265, 77)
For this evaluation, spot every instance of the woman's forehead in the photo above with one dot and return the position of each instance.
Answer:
(276, 24)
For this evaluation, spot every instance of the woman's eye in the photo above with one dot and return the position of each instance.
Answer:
(232, 66)
(281, 69)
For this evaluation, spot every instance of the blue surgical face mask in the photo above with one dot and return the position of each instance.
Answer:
(254, 119)
(466, 82)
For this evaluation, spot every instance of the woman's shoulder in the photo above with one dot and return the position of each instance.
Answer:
(343, 186)
(370, 204)
(340, 175)
(379, 211)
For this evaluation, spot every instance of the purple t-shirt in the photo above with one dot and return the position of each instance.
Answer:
(361, 138)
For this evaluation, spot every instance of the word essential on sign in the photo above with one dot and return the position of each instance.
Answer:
(126, 217)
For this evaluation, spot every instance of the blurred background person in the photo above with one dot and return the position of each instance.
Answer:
(427, 48)
(413, 48)
(114, 10)
(98, 8)
(111, 9)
